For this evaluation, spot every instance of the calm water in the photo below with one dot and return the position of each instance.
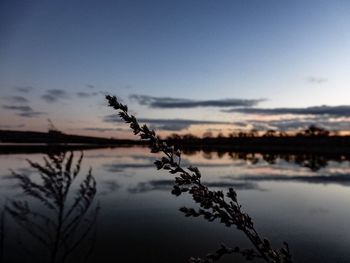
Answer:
(134, 217)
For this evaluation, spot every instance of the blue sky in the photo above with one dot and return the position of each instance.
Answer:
(63, 56)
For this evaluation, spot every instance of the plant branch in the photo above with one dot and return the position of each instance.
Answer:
(214, 204)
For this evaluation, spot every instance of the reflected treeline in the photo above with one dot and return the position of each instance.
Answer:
(312, 161)
(54, 220)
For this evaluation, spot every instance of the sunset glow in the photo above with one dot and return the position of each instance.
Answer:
(218, 67)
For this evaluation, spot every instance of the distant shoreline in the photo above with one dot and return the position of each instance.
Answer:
(31, 142)
(55, 137)
(6, 149)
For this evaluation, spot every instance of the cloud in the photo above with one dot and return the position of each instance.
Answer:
(53, 95)
(23, 111)
(169, 103)
(82, 94)
(11, 126)
(214, 130)
(102, 129)
(300, 123)
(167, 185)
(240, 124)
(171, 127)
(17, 108)
(24, 89)
(343, 110)
(90, 86)
(168, 124)
(31, 114)
(17, 99)
(316, 80)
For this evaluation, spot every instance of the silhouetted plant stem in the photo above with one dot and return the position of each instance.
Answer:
(58, 235)
(2, 233)
(213, 203)
(62, 233)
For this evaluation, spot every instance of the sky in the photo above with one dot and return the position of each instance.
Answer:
(181, 66)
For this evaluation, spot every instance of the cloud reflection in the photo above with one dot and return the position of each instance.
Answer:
(167, 185)
(340, 178)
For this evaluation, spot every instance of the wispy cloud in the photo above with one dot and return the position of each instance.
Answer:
(168, 124)
(11, 126)
(83, 94)
(31, 114)
(316, 80)
(23, 111)
(102, 129)
(17, 108)
(24, 89)
(343, 110)
(167, 102)
(336, 123)
(53, 95)
(17, 99)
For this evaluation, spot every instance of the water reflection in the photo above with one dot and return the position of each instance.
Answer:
(308, 208)
(341, 179)
(312, 161)
(246, 253)
(54, 220)
(167, 185)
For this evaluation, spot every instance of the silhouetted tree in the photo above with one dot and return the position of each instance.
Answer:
(233, 135)
(189, 137)
(207, 135)
(242, 134)
(220, 135)
(313, 131)
(174, 136)
(270, 133)
(253, 133)
(282, 134)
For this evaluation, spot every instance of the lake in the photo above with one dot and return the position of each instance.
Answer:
(130, 214)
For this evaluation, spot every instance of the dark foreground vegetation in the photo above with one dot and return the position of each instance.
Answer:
(214, 205)
(57, 223)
